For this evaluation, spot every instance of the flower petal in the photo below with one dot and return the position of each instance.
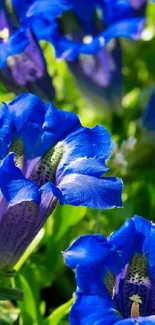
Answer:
(5, 130)
(84, 166)
(86, 250)
(14, 186)
(40, 131)
(123, 241)
(92, 310)
(45, 9)
(149, 320)
(91, 256)
(128, 28)
(16, 44)
(85, 143)
(147, 229)
(85, 190)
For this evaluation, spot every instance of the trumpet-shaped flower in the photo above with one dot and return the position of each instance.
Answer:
(81, 35)
(55, 151)
(115, 276)
(47, 155)
(24, 209)
(22, 63)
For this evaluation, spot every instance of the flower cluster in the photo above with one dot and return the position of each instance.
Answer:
(22, 63)
(115, 276)
(47, 155)
(82, 40)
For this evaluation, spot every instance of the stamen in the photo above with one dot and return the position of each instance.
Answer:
(135, 305)
(4, 34)
(87, 39)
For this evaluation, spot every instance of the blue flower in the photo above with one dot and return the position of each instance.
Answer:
(83, 40)
(22, 212)
(22, 63)
(61, 156)
(115, 276)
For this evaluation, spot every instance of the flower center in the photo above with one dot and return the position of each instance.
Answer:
(132, 290)
(40, 169)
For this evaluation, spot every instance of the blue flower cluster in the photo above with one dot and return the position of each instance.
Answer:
(22, 63)
(115, 276)
(47, 155)
(88, 42)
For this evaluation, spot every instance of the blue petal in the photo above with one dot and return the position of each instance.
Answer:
(88, 310)
(91, 251)
(85, 190)
(147, 229)
(14, 186)
(86, 250)
(84, 166)
(149, 114)
(49, 187)
(135, 236)
(116, 10)
(129, 28)
(5, 130)
(91, 278)
(123, 240)
(22, 108)
(21, 7)
(92, 256)
(149, 320)
(40, 131)
(46, 10)
(85, 143)
(16, 44)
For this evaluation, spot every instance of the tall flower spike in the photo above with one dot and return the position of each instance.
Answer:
(22, 63)
(84, 40)
(115, 276)
(57, 153)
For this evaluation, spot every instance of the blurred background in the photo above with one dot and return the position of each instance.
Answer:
(47, 283)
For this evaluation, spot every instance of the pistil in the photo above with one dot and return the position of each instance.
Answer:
(135, 306)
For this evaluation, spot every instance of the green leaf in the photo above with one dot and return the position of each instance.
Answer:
(58, 313)
(28, 306)
(66, 217)
(10, 294)
(30, 249)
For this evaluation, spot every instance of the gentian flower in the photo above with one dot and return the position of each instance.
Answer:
(24, 209)
(115, 276)
(81, 35)
(55, 151)
(46, 157)
(22, 63)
